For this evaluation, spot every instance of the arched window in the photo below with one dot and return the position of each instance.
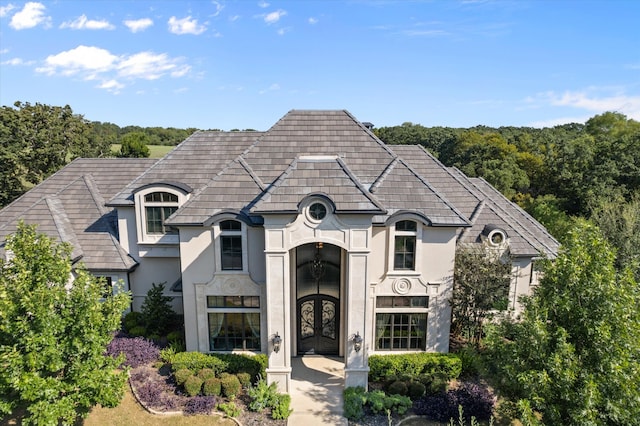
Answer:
(404, 257)
(158, 206)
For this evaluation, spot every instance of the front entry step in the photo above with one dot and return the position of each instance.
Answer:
(317, 383)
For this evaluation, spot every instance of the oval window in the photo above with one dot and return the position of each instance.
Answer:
(317, 211)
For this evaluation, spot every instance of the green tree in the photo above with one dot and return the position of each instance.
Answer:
(490, 156)
(36, 141)
(54, 332)
(157, 312)
(134, 144)
(481, 282)
(574, 356)
(619, 221)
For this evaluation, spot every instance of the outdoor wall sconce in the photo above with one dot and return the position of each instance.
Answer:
(277, 341)
(357, 342)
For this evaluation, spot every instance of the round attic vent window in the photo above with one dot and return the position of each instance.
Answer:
(497, 237)
(317, 211)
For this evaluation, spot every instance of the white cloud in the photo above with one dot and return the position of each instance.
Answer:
(273, 17)
(593, 100)
(82, 59)
(219, 8)
(82, 23)
(185, 26)
(150, 66)
(584, 100)
(312, 20)
(283, 31)
(111, 71)
(137, 25)
(234, 18)
(4, 10)
(112, 86)
(16, 62)
(263, 4)
(31, 15)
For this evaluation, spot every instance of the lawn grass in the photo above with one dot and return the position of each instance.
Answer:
(130, 413)
(155, 151)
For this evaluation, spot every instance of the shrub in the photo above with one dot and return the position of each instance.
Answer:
(131, 320)
(206, 373)
(182, 375)
(398, 404)
(138, 331)
(262, 395)
(230, 385)
(475, 400)
(397, 388)
(157, 311)
(245, 379)
(413, 365)
(230, 409)
(199, 405)
(415, 390)
(255, 365)
(211, 387)
(354, 400)
(434, 383)
(196, 361)
(471, 362)
(137, 350)
(280, 409)
(376, 401)
(193, 385)
(175, 337)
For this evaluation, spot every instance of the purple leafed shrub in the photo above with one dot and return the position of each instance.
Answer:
(475, 399)
(199, 405)
(149, 393)
(137, 350)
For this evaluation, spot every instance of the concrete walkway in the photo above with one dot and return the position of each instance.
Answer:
(317, 383)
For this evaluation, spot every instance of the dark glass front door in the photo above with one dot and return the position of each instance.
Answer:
(318, 303)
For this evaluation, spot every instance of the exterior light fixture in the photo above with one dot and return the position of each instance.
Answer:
(277, 341)
(357, 342)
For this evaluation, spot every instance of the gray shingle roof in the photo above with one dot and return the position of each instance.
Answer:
(482, 204)
(193, 162)
(69, 206)
(321, 175)
(254, 173)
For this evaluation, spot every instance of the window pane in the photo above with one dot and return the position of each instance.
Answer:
(154, 220)
(401, 331)
(404, 252)
(228, 331)
(231, 252)
(230, 225)
(406, 225)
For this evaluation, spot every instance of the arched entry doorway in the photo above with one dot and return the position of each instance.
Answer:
(318, 273)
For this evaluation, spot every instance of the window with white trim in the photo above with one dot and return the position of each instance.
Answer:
(404, 252)
(401, 323)
(158, 206)
(234, 323)
(231, 245)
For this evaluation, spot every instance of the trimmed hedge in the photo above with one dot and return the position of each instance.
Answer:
(196, 361)
(255, 365)
(385, 367)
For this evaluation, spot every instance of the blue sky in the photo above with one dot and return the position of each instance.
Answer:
(244, 64)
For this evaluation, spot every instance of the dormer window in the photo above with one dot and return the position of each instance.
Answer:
(158, 207)
(404, 257)
(154, 204)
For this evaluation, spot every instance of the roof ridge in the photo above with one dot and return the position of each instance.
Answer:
(380, 179)
(371, 134)
(473, 218)
(359, 185)
(251, 173)
(63, 224)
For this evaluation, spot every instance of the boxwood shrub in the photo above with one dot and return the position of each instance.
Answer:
(383, 367)
(196, 361)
